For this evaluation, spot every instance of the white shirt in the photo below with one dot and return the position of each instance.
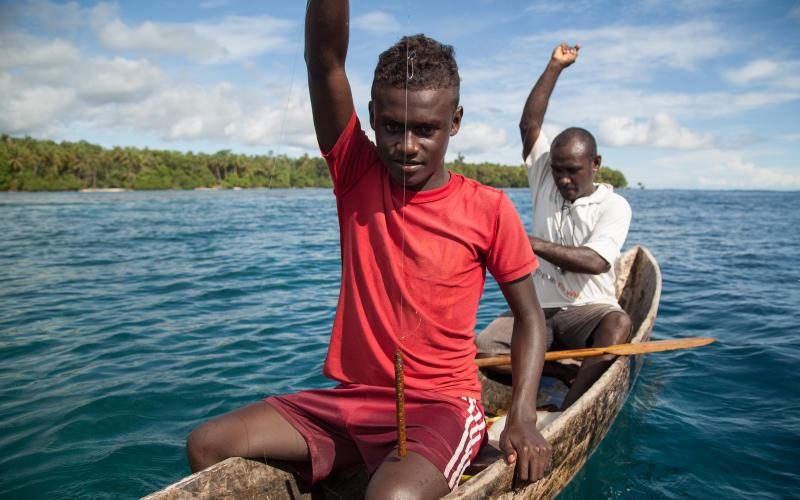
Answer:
(599, 221)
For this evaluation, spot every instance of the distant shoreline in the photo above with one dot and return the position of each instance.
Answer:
(31, 165)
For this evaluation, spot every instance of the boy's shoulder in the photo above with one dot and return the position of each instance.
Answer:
(481, 191)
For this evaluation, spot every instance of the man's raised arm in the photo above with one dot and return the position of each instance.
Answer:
(327, 36)
(535, 107)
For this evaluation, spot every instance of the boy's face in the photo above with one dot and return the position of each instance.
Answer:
(412, 139)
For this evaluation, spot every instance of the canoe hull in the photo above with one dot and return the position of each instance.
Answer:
(581, 428)
(574, 435)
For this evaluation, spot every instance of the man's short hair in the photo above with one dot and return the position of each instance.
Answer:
(428, 64)
(579, 135)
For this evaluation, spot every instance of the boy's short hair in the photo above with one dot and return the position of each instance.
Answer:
(431, 65)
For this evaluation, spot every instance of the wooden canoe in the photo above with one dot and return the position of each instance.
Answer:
(574, 433)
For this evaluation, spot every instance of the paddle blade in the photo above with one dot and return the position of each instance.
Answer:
(619, 350)
(657, 346)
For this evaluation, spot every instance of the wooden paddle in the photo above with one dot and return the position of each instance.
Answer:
(619, 350)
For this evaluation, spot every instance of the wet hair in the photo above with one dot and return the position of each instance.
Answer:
(579, 135)
(431, 65)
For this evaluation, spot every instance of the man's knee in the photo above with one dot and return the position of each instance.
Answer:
(614, 328)
(484, 344)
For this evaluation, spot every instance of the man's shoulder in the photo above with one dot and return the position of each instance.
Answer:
(618, 202)
(611, 200)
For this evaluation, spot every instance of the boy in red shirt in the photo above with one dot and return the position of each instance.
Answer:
(416, 241)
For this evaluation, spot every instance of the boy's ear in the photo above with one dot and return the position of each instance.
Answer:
(598, 160)
(371, 115)
(455, 126)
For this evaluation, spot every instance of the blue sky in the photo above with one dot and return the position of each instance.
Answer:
(680, 94)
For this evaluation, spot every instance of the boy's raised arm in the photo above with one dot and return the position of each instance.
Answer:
(327, 35)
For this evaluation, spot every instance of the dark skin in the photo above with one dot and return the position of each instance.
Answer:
(411, 143)
(574, 165)
(411, 138)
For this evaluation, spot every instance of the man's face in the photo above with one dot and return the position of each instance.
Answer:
(573, 168)
(412, 139)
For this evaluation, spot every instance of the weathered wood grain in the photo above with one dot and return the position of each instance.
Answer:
(574, 435)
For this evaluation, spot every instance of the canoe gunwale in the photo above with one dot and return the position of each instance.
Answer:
(581, 428)
(574, 435)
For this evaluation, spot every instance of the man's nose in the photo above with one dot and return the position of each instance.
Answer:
(564, 180)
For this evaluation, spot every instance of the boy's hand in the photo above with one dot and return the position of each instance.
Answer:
(524, 445)
(564, 55)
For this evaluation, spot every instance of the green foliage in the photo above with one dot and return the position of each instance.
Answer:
(611, 176)
(37, 165)
(491, 174)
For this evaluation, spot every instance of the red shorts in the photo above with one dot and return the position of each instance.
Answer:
(354, 423)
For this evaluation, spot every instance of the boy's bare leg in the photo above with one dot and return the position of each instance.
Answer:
(253, 431)
(412, 476)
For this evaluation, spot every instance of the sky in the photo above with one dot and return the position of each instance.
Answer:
(686, 94)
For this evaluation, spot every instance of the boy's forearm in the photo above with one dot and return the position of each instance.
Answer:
(327, 34)
(527, 355)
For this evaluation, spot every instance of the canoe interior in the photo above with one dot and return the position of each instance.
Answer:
(578, 431)
(574, 434)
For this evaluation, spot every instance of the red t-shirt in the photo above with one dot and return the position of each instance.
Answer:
(413, 271)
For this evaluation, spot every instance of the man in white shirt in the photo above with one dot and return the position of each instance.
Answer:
(579, 228)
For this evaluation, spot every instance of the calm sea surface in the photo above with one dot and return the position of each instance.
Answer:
(126, 319)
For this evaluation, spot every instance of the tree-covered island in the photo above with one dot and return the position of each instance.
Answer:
(40, 165)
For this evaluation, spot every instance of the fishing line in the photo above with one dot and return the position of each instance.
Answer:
(399, 376)
(298, 40)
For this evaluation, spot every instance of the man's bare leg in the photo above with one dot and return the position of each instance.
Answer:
(614, 328)
(253, 431)
(412, 476)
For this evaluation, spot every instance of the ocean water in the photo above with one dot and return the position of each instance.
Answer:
(126, 319)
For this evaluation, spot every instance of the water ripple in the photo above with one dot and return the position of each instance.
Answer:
(129, 318)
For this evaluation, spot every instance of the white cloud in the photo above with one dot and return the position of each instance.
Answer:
(755, 70)
(783, 74)
(289, 124)
(377, 22)
(716, 169)
(20, 50)
(661, 131)
(633, 52)
(548, 7)
(26, 108)
(159, 38)
(117, 80)
(232, 38)
(590, 105)
(54, 87)
(478, 138)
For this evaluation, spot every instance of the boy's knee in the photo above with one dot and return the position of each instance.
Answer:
(393, 492)
(200, 449)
